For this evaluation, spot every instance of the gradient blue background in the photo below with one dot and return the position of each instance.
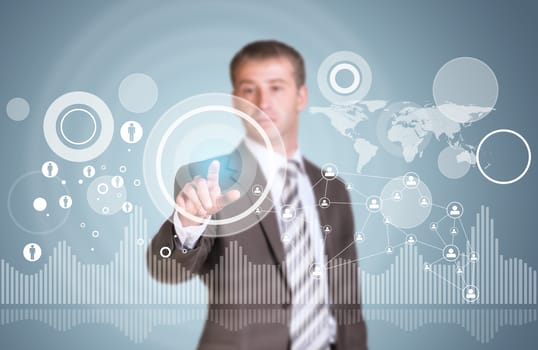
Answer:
(53, 47)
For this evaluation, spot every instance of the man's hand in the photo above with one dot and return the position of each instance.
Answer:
(203, 197)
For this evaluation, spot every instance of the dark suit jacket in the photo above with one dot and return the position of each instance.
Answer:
(249, 300)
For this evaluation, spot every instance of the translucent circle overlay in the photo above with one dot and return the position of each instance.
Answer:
(69, 100)
(465, 89)
(33, 189)
(18, 109)
(202, 128)
(138, 93)
(356, 65)
(454, 162)
(517, 178)
(405, 212)
(104, 197)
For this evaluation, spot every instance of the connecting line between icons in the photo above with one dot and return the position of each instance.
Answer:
(465, 233)
(317, 182)
(359, 192)
(353, 242)
(326, 185)
(444, 279)
(438, 206)
(441, 238)
(350, 203)
(371, 176)
(429, 245)
(387, 231)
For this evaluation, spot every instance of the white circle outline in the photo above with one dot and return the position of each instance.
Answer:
(168, 133)
(356, 78)
(62, 126)
(167, 255)
(498, 182)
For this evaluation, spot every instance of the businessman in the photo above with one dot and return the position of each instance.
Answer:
(309, 302)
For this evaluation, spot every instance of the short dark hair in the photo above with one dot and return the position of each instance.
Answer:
(264, 49)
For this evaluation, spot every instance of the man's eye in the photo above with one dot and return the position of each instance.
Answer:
(276, 88)
(247, 91)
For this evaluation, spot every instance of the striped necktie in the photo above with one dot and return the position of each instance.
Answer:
(309, 323)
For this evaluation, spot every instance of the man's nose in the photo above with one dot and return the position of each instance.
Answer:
(263, 100)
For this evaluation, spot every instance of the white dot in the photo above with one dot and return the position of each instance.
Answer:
(80, 181)
(64, 182)
(40, 204)
(91, 249)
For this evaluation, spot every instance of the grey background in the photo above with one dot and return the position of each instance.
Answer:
(53, 47)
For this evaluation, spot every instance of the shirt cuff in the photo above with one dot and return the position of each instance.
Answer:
(188, 236)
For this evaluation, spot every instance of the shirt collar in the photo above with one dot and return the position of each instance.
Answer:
(266, 158)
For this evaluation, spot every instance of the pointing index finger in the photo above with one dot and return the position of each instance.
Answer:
(213, 174)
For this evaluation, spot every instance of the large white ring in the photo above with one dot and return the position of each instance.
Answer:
(78, 98)
(507, 182)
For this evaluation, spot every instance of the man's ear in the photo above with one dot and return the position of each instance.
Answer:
(302, 98)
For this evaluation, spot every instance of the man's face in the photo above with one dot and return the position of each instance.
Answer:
(270, 84)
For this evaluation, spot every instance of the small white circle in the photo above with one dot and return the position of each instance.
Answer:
(507, 182)
(32, 252)
(102, 188)
(82, 224)
(49, 169)
(454, 210)
(137, 182)
(131, 131)
(80, 181)
(327, 229)
(470, 293)
(324, 202)
(140, 241)
(451, 252)
(127, 207)
(105, 210)
(40, 204)
(123, 169)
(337, 87)
(95, 233)
(411, 180)
(88, 171)
(117, 181)
(373, 204)
(165, 252)
(65, 201)
(329, 171)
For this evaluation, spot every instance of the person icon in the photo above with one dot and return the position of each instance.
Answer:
(470, 294)
(453, 231)
(287, 213)
(373, 204)
(388, 250)
(65, 201)
(258, 211)
(50, 168)
(324, 203)
(285, 238)
(32, 252)
(397, 196)
(474, 257)
(459, 270)
(117, 181)
(387, 220)
(349, 186)
(411, 181)
(327, 229)
(411, 240)
(455, 211)
(359, 237)
(131, 130)
(127, 207)
(257, 190)
(329, 172)
(451, 253)
(424, 202)
(427, 267)
(433, 226)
